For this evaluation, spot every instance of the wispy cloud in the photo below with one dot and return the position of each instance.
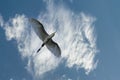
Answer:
(75, 35)
(1, 21)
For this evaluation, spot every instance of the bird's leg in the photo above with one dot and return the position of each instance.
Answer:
(40, 47)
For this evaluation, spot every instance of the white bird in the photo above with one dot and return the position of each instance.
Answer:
(45, 37)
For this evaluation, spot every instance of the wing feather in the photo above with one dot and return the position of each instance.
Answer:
(54, 48)
(39, 29)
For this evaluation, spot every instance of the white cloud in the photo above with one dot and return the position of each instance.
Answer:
(1, 21)
(75, 35)
(11, 78)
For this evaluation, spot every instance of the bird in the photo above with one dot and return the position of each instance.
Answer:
(52, 46)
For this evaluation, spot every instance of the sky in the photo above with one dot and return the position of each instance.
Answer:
(87, 33)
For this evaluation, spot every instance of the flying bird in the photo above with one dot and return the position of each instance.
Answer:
(45, 37)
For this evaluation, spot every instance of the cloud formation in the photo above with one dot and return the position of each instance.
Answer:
(75, 35)
(1, 21)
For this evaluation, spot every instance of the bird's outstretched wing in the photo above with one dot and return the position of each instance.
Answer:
(38, 28)
(54, 48)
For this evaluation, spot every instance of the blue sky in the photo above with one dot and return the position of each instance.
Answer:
(13, 64)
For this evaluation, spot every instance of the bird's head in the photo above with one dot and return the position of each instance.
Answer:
(53, 34)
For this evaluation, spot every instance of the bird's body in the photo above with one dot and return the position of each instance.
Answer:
(48, 38)
(45, 37)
